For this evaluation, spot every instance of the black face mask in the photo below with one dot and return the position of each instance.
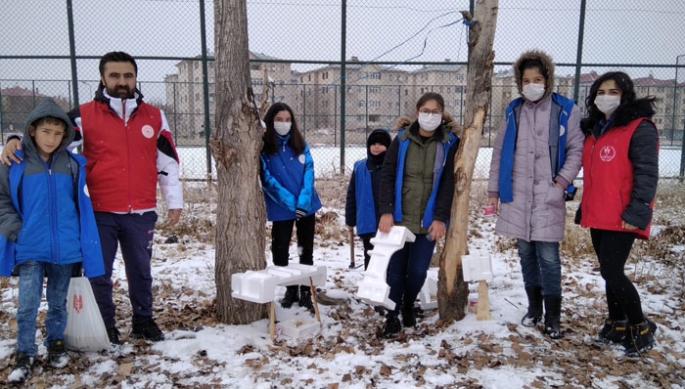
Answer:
(377, 159)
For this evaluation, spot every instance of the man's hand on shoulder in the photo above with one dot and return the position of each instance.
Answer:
(8, 156)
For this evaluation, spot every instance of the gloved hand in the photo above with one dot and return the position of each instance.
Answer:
(300, 213)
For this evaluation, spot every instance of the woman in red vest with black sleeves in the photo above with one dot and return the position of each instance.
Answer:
(620, 175)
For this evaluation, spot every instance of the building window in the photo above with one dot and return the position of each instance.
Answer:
(255, 66)
(374, 89)
(374, 118)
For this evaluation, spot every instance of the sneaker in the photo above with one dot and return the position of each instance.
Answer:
(392, 326)
(613, 331)
(113, 335)
(640, 338)
(408, 316)
(146, 328)
(291, 296)
(22, 368)
(57, 354)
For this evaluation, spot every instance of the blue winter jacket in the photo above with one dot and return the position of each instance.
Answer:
(561, 111)
(288, 182)
(45, 211)
(365, 208)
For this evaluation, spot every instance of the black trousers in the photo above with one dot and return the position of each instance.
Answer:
(367, 247)
(281, 233)
(612, 249)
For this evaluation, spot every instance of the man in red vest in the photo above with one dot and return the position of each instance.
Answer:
(129, 149)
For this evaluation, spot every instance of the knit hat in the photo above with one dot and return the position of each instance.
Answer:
(379, 136)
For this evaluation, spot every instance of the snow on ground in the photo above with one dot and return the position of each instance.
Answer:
(347, 352)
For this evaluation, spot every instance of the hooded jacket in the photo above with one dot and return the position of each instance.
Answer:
(45, 212)
(536, 210)
(362, 203)
(621, 169)
(429, 189)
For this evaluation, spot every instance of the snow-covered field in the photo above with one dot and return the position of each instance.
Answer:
(327, 161)
(347, 353)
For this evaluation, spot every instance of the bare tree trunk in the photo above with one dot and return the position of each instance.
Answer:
(236, 143)
(452, 290)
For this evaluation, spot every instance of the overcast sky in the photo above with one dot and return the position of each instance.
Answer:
(617, 31)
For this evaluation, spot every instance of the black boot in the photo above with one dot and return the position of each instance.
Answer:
(306, 298)
(640, 338)
(534, 314)
(291, 296)
(392, 325)
(408, 315)
(613, 331)
(553, 316)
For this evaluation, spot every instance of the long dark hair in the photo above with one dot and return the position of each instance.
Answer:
(623, 82)
(296, 141)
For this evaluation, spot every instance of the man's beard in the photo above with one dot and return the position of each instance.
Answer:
(122, 92)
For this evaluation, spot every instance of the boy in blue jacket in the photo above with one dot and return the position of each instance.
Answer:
(47, 228)
(361, 206)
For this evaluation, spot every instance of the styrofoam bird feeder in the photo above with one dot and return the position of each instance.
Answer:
(373, 288)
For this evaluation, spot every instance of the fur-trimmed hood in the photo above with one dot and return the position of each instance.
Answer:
(447, 121)
(547, 70)
(624, 114)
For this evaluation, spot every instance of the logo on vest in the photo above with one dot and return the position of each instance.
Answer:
(301, 158)
(607, 153)
(562, 130)
(147, 131)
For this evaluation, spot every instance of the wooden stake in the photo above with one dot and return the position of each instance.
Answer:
(483, 306)
(352, 264)
(316, 305)
(272, 320)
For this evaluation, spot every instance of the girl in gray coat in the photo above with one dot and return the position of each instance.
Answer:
(536, 156)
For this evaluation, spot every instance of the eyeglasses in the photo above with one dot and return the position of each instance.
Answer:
(428, 112)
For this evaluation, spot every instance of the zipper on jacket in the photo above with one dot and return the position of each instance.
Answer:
(128, 154)
(52, 212)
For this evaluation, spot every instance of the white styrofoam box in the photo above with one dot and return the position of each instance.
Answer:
(300, 275)
(373, 289)
(299, 327)
(430, 290)
(254, 286)
(477, 266)
(375, 292)
(397, 236)
(259, 286)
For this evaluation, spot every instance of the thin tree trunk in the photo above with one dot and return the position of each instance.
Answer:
(452, 290)
(236, 143)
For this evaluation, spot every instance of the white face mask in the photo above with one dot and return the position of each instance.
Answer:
(429, 122)
(607, 104)
(533, 92)
(282, 128)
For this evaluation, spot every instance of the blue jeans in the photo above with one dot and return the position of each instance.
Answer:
(31, 275)
(407, 270)
(541, 266)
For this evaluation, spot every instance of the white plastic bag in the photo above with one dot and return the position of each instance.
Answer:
(85, 328)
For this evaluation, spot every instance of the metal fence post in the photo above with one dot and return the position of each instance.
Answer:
(205, 87)
(335, 114)
(579, 51)
(343, 79)
(72, 52)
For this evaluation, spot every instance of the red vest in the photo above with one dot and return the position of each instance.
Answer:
(122, 158)
(608, 179)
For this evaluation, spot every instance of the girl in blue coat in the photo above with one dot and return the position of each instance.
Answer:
(287, 175)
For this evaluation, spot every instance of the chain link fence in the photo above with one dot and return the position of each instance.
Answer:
(343, 79)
